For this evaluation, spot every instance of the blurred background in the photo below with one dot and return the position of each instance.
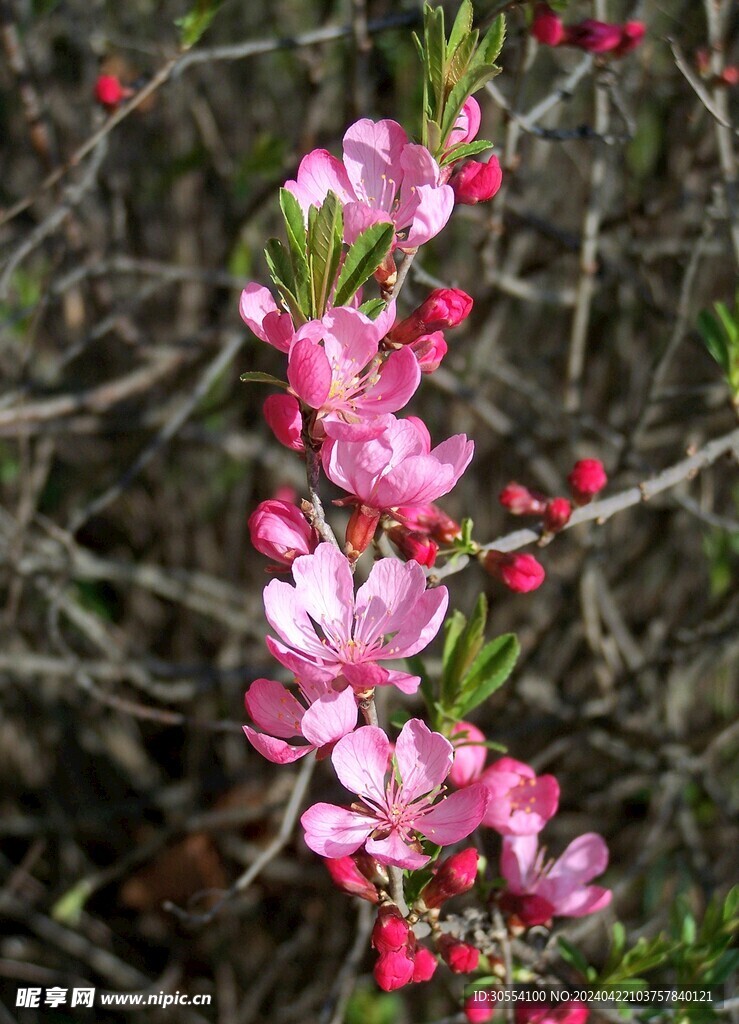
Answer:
(131, 456)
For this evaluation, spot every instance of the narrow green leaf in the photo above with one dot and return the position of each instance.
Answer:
(572, 956)
(489, 671)
(325, 231)
(492, 44)
(461, 28)
(714, 341)
(193, 24)
(453, 627)
(470, 82)
(372, 308)
(255, 377)
(298, 243)
(281, 272)
(729, 322)
(435, 53)
(465, 150)
(362, 260)
(722, 970)
(458, 64)
(465, 651)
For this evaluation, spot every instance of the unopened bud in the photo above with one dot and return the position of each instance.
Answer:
(478, 1009)
(632, 33)
(279, 531)
(360, 530)
(109, 92)
(587, 478)
(520, 573)
(445, 307)
(394, 970)
(429, 519)
(460, 956)
(557, 515)
(282, 413)
(347, 877)
(520, 501)
(594, 36)
(454, 876)
(425, 964)
(429, 351)
(547, 27)
(475, 182)
(391, 930)
(416, 547)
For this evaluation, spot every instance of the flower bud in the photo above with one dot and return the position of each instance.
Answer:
(429, 519)
(394, 970)
(444, 307)
(280, 531)
(547, 26)
(391, 930)
(587, 478)
(520, 501)
(460, 956)
(632, 33)
(520, 573)
(360, 530)
(347, 877)
(416, 547)
(429, 351)
(557, 515)
(478, 1010)
(425, 964)
(109, 92)
(454, 876)
(475, 182)
(282, 413)
(594, 36)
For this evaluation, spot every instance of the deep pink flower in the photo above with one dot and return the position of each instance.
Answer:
(263, 317)
(394, 601)
(279, 530)
(547, 26)
(429, 350)
(587, 478)
(632, 34)
(395, 969)
(520, 573)
(282, 415)
(392, 810)
(444, 307)
(110, 93)
(466, 126)
(475, 182)
(478, 1009)
(521, 803)
(568, 1013)
(329, 715)
(332, 368)
(398, 468)
(383, 179)
(558, 888)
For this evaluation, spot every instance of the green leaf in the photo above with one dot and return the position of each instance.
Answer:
(399, 718)
(730, 324)
(281, 272)
(372, 308)
(459, 63)
(459, 655)
(492, 43)
(298, 242)
(325, 230)
(362, 260)
(435, 52)
(68, 908)
(193, 24)
(461, 28)
(713, 339)
(470, 82)
(488, 672)
(722, 970)
(572, 956)
(465, 150)
(254, 377)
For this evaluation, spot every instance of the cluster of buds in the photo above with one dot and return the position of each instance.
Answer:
(473, 182)
(401, 959)
(589, 35)
(421, 331)
(418, 531)
(727, 77)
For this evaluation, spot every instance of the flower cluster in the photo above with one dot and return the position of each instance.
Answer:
(590, 35)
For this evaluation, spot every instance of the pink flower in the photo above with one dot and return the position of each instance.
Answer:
(520, 802)
(466, 126)
(332, 368)
(429, 350)
(569, 1013)
(478, 1009)
(383, 179)
(392, 811)
(393, 601)
(260, 313)
(587, 478)
(444, 307)
(520, 573)
(282, 414)
(475, 182)
(470, 754)
(328, 716)
(398, 468)
(538, 890)
(547, 26)
(279, 530)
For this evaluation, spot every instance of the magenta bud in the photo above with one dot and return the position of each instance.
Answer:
(391, 930)
(547, 27)
(478, 1010)
(429, 519)
(632, 34)
(279, 530)
(347, 877)
(425, 964)
(454, 876)
(476, 182)
(520, 573)
(444, 307)
(416, 547)
(587, 478)
(520, 501)
(109, 92)
(461, 957)
(557, 515)
(394, 970)
(594, 36)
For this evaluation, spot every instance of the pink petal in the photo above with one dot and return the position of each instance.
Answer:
(274, 709)
(358, 217)
(383, 602)
(399, 377)
(469, 754)
(318, 174)
(276, 751)
(584, 901)
(332, 716)
(311, 671)
(282, 413)
(360, 761)
(424, 759)
(385, 320)
(585, 858)
(342, 426)
(372, 152)
(335, 831)
(286, 614)
(324, 582)
(394, 851)
(421, 625)
(309, 373)
(517, 860)
(403, 681)
(255, 303)
(351, 341)
(455, 817)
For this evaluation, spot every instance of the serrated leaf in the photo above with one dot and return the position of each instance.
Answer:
(298, 242)
(461, 60)
(435, 52)
(255, 377)
(492, 43)
(281, 272)
(364, 257)
(490, 669)
(472, 80)
(372, 308)
(465, 650)
(461, 28)
(325, 231)
(465, 150)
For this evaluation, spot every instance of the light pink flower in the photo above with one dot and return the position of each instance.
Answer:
(329, 715)
(394, 601)
(538, 890)
(278, 529)
(398, 468)
(383, 179)
(262, 316)
(391, 813)
(332, 368)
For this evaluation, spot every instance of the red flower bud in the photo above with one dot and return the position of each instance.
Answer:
(109, 92)
(347, 877)
(474, 182)
(521, 573)
(460, 956)
(429, 351)
(391, 930)
(547, 26)
(279, 530)
(282, 413)
(394, 970)
(520, 501)
(587, 478)
(729, 76)
(594, 36)
(632, 34)
(445, 307)
(454, 876)
(429, 519)
(557, 515)
(425, 964)
(417, 547)
(360, 530)
(478, 1011)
